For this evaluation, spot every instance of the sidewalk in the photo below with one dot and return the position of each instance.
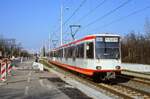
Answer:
(30, 84)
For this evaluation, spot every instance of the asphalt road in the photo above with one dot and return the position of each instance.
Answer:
(27, 83)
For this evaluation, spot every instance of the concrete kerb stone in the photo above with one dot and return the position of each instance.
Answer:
(45, 67)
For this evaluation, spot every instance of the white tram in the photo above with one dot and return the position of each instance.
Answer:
(96, 55)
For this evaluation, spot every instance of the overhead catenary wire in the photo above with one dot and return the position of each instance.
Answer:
(55, 31)
(133, 13)
(76, 10)
(89, 12)
(102, 17)
(124, 17)
(107, 14)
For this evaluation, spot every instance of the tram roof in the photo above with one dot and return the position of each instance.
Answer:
(104, 34)
(87, 38)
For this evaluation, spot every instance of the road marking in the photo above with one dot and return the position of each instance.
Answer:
(29, 73)
(49, 87)
(41, 82)
(28, 79)
(26, 90)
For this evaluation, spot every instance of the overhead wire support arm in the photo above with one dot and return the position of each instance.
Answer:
(71, 28)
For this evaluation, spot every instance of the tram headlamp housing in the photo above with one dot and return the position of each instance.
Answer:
(118, 67)
(98, 67)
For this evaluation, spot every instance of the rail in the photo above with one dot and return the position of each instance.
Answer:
(117, 90)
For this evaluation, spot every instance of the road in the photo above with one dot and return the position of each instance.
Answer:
(27, 83)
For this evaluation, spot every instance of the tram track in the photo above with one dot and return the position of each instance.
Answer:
(136, 79)
(119, 90)
(135, 93)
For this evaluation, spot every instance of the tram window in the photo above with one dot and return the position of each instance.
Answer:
(74, 52)
(77, 51)
(61, 53)
(54, 54)
(70, 51)
(80, 51)
(66, 53)
(89, 50)
(58, 53)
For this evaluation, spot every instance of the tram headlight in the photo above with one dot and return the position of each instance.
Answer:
(118, 67)
(98, 67)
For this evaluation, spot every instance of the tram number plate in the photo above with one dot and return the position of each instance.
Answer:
(108, 39)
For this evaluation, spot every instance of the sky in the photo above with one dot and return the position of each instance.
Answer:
(32, 21)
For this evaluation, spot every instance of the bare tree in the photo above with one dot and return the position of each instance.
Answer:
(136, 48)
(147, 27)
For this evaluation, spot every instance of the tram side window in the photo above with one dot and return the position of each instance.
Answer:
(54, 53)
(89, 50)
(66, 53)
(51, 54)
(80, 51)
(57, 53)
(77, 51)
(71, 52)
(74, 50)
(61, 53)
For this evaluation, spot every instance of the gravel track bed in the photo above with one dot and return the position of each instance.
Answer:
(126, 82)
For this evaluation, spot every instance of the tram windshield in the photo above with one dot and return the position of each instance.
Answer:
(107, 48)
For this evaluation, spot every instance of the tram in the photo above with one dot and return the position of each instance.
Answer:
(97, 55)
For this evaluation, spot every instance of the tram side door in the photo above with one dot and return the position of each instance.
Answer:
(89, 50)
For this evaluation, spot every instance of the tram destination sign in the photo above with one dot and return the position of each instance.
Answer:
(99, 39)
(111, 39)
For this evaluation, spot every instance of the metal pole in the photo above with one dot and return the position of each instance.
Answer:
(49, 42)
(74, 33)
(49, 45)
(61, 25)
